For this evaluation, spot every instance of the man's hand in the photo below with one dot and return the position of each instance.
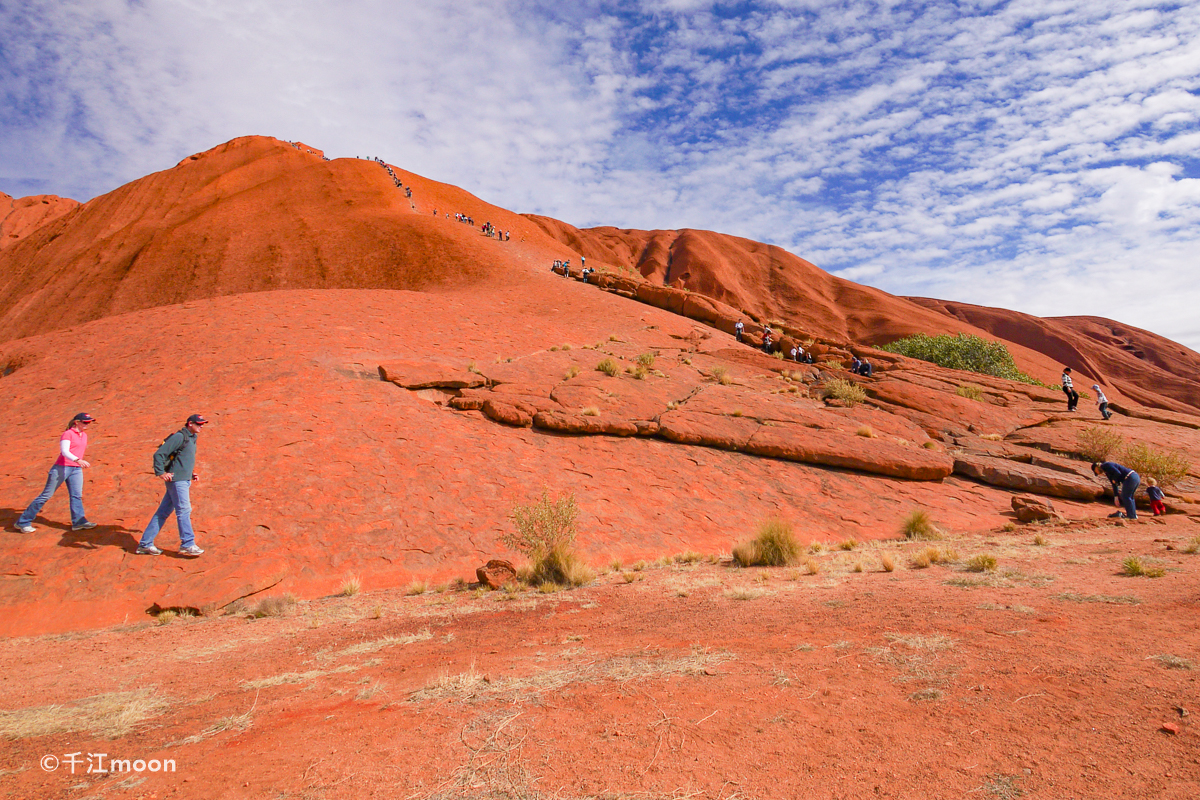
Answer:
(83, 463)
(168, 476)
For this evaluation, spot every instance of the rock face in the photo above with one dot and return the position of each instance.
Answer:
(1033, 509)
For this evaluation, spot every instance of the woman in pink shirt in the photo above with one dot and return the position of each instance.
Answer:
(68, 468)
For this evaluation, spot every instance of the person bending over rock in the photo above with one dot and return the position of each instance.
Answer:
(1101, 400)
(1124, 483)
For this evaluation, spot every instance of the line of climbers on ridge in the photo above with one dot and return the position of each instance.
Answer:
(310, 152)
(395, 179)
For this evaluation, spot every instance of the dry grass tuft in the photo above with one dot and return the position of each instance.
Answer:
(571, 372)
(608, 367)
(1173, 662)
(590, 411)
(887, 562)
(812, 566)
(775, 546)
(918, 525)
(992, 437)
(984, 562)
(1193, 545)
(848, 392)
(848, 544)
(746, 593)
(110, 715)
(1121, 600)
(416, 588)
(646, 360)
(865, 432)
(279, 606)
(970, 391)
(351, 587)
(1040, 541)
(1133, 567)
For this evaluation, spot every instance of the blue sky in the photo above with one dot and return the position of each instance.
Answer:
(1040, 156)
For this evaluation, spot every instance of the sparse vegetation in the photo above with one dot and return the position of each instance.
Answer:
(351, 587)
(774, 546)
(984, 562)
(848, 392)
(964, 351)
(970, 391)
(1097, 443)
(812, 566)
(416, 588)
(887, 563)
(546, 536)
(608, 367)
(109, 715)
(1040, 541)
(1120, 600)
(279, 606)
(1134, 567)
(1193, 545)
(721, 374)
(1164, 466)
(918, 525)
(646, 360)
(865, 431)
(590, 411)
(1173, 662)
(571, 372)
(848, 544)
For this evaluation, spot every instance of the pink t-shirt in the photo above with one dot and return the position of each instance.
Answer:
(78, 440)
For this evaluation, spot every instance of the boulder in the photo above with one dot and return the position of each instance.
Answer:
(1033, 509)
(496, 574)
(509, 412)
(1025, 477)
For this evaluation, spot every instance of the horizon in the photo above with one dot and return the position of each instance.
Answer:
(1039, 157)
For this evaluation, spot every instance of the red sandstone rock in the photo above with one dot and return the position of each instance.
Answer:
(426, 374)
(1024, 477)
(578, 423)
(514, 412)
(496, 573)
(837, 449)
(1031, 509)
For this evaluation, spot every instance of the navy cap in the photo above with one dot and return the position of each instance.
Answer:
(196, 419)
(83, 417)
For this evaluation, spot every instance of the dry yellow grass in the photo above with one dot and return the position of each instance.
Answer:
(110, 715)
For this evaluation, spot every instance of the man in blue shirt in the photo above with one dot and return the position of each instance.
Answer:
(1124, 483)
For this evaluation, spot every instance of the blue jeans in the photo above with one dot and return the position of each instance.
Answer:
(59, 474)
(1128, 487)
(176, 500)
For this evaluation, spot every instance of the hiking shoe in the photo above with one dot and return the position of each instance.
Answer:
(191, 550)
(148, 550)
(26, 528)
(1117, 515)
(86, 526)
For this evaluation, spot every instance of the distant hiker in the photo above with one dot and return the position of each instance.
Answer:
(507, 235)
(1156, 497)
(1124, 483)
(767, 341)
(68, 468)
(1069, 389)
(854, 364)
(794, 355)
(738, 327)
(865, 369)
(808, 359)
(582, 262)
(174, 463)
(1101, 400)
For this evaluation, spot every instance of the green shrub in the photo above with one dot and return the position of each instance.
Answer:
(608, 367)
(546, 536)
(1097, 443)
(848, 392)
(1164, 466)
(775, 546)
(917, 525)
(964, 351)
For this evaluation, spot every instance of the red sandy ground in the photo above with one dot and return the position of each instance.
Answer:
(1047, 679)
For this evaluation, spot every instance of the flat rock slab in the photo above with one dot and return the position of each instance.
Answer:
(428, 375)
(1025, 477)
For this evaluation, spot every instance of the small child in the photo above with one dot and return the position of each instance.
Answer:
(1156, 497)
(1101, 400)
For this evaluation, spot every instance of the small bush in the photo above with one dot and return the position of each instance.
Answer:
(775, 546)
(1040, 541)
(1164, 466)
(720, 372)
(416, 587)
(688, 557)
(646, 360)
(982, 563)
(274, 606)
(565, 347)
(964, 351)
(1133, 567)
(812, 566)
(590, 411)
(608, 367)
(888, 563)
(858, 566)
(572, 371)
(917, 525)
(849, 544)
(351, 587)
(920, 561)
(970, 391)
(1097, 443)
(546, 535)
(865, 431)
(848, 392)
(639, 372)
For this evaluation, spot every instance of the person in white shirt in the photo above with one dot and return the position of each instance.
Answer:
(68, 468)
(1069, 389)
